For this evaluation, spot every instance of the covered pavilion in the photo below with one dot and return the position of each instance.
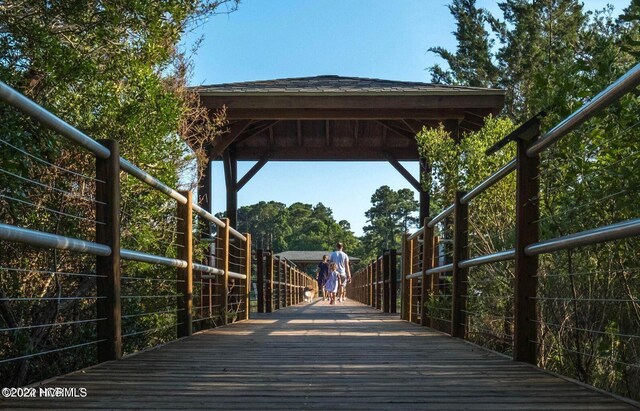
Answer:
(333, 118)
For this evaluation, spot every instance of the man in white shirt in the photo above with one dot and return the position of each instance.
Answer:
(342, 261)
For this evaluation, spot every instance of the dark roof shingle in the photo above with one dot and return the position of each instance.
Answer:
(334, 84)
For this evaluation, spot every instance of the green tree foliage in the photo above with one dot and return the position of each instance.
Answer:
(300, 226)
(392, 213)
(115, 71)
(471, 64)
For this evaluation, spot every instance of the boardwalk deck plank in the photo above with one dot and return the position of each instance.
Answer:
(317, 356)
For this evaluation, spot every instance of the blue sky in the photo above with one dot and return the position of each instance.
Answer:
(268, 39)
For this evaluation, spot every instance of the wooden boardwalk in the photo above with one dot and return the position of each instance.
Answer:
(317, 356)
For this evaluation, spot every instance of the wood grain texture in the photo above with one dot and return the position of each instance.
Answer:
(319, 356)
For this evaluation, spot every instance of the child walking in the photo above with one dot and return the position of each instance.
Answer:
(332, 283)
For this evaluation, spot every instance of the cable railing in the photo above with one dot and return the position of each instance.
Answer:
(557, 286)
(376, 284)
(187, 284)
(279, 283)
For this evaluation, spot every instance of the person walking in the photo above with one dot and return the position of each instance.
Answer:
(322, 273)
(341, 259)
(331, 285)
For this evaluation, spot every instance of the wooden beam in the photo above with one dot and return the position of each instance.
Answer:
(252, 172)
(256, 114)
(414, 125)
(247, 134)
(405, 173)
(419, 103)
(355, 134)
(408, 153)
(389, 125)
(223, 141)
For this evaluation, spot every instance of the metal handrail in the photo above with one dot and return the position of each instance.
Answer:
(440, 269)
(489, 258)
(41, 239)
(491, 180)
(443, 214)
(150, 258)
(617, 231)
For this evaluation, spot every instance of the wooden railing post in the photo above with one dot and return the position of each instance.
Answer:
(403, 279)
(225, 267)
(427, 263)
(526, 267)
(184, 239)
(393, 281)
(287, 284)
(370, 288)
(386, 282)
(260, 280)
(296, 283)
(435, 278)
(460, 253)
(108, 267)
(280, 281)
(247, 269)
(269, 290)
(410, 281)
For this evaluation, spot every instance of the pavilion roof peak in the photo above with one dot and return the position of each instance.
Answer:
(333, 84)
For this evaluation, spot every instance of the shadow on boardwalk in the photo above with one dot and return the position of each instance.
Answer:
(316, 356)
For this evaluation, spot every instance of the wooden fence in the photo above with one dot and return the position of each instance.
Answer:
(280, 283)
(376, 284)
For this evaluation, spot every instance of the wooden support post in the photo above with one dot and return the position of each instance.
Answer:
(247, 272)
(427, 263)
(527, 232)
(260, 279)
(425, 171)
(269, 290)
(393, 281)
(386, 282)
(108, 267)
(230, 163)
(460, 253)
(225, 267)
(185, 275)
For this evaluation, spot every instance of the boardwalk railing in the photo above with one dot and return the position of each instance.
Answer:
(376, 284)
(438, 290)
(279, 283)
(199, 294)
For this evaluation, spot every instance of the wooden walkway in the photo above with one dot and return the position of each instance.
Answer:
(317, 356)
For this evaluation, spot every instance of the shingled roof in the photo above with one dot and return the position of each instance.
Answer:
(307, 257)
(331, 84)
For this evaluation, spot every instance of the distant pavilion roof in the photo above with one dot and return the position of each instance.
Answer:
(308, 257)
(340, 118)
